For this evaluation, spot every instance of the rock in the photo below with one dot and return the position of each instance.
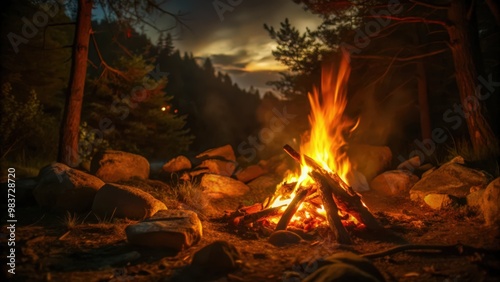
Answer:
(369, 160)
(63, 188)
(475, 198)
(250, 173)
(222, 153)
(114, 166)
(217, 186)
(346, 267)
(173, 229)
(457, 160)
(340, 272)
(219, 257)
(265, 183)
(440, 201)
(220, 167)
(490, 205)
(394, 182)
(121, 201)
(191, 175)
(428, 172)
(282, 238)
(177, 164)
(358, 181)
(452, 179)
(410, 164)
(357, 261)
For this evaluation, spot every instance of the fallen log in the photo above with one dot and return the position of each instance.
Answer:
(292, 208)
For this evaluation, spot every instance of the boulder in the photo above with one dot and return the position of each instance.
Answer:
(222, 153)
(428, 172)
(475, 198)
(115, 166)
(63, 188)
(219, 257)
(452, 179)
(177, 164)
(340, 272)
(394, 182)
(173, 229)
(193, 174)
(121, 201)
(217, 186)
(490, 205)
(220, 167)
(344, 267)
(282, 238)
(265, 184)
(250, 173)
(355, 260)
(369, 160)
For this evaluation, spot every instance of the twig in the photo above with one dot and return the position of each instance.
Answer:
(449, 249)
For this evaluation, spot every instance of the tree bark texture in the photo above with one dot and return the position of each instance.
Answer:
(70, 125)
(481, 135)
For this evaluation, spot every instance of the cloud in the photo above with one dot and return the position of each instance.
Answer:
(238, 44)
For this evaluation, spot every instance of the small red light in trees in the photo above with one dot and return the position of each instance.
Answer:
(175, 111)
(129, 33)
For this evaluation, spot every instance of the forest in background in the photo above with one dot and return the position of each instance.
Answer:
(152, 99)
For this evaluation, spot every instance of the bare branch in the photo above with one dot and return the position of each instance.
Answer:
(429, 5)
(409, 19)
(405, 59)
(103, 62)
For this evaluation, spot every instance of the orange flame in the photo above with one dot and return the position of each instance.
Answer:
(325, 143)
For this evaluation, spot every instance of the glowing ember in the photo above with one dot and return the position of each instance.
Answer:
(325, 142)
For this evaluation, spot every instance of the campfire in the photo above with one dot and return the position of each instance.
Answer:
(320, 193)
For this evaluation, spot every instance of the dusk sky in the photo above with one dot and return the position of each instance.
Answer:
(236, 40)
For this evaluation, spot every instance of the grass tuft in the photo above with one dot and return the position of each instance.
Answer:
(190, 193)
(71, 220)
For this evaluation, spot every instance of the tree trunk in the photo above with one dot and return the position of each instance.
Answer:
(70, 125)
(481, 135)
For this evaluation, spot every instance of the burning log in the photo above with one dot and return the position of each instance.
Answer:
(348, 200)
(257, 216)
(335, 194)
(292, 208)
(350, 203)
(332, 215)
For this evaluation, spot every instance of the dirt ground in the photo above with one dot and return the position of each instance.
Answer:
(50, 250)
